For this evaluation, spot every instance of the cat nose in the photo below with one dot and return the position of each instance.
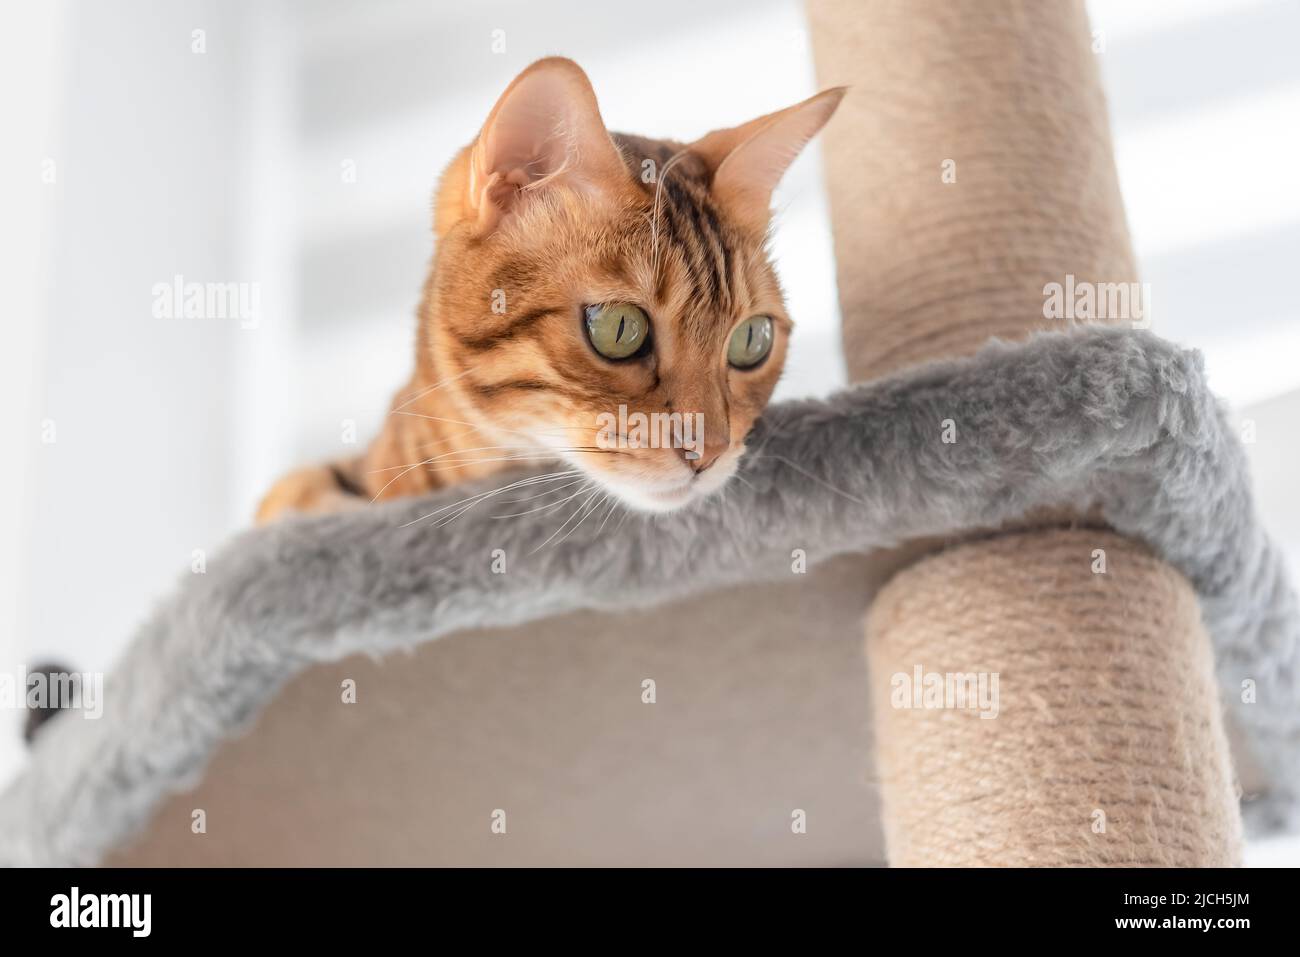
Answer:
(701, 434)
(699, 460)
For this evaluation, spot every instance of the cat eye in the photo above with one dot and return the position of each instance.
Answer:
(750, 342)
(617, 330)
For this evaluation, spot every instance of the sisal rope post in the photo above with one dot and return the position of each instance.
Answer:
(1099, 742)
(969, 167)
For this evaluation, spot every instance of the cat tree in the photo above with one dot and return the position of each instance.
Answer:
(1108, 746)
(970, 166)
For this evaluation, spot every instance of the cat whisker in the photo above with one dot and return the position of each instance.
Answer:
(772, 432)
(458, 459)
(448, 519)
(621, 521)
(818, 479)
(531, 480)
(585, 515)
(613, 504)
(581, 506)
(477, 448)
(555, 506)
(439, 418)
(415, 465)
(529, 449)
(531, 455)
(528, 456)
(454, 466)
(433, 388)
(736, 475)
(549, 491)
(442, 440)
(558, 505)
(499, 428)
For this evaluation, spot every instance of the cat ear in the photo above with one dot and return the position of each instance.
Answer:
(545, 129)
(749, 160)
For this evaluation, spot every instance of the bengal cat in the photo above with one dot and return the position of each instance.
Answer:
(583, 280)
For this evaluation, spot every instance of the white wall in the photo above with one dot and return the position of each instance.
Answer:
(30, 55)
(137, 474)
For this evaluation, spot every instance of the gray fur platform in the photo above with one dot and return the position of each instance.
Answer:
(1113, 417)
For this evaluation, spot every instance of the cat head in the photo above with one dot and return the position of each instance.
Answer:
(610, 297)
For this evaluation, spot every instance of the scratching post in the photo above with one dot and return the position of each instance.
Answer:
(970, 166)
(1105, 747)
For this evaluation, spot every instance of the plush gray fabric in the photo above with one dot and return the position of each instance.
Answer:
(1113, 417)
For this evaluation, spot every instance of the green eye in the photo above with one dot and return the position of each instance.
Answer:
(751, 342)
(617, 330)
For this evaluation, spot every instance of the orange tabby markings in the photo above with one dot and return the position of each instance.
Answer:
(546, 214)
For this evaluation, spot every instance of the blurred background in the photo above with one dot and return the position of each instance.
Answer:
(293, 147)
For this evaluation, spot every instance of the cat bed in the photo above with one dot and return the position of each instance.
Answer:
(1115, 419)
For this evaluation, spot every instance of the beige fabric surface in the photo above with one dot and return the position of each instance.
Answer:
(759, 712)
